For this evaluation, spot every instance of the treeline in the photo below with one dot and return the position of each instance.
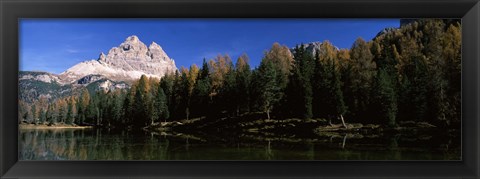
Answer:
(408, 74)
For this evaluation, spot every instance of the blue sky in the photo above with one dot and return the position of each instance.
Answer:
(54, 45)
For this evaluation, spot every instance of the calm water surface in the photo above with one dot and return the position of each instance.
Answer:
(96, 144)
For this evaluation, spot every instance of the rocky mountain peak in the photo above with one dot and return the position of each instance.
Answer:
(133, 44)
(131, 59)
(154, 45)
(132, 38)
(156, 53)
(102, 57)
(313, 47)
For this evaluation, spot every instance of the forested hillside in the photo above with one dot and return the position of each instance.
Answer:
(412, 73)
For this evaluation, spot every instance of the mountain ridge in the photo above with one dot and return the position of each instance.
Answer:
(127, 62)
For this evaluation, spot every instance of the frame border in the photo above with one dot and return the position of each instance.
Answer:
(12, 10)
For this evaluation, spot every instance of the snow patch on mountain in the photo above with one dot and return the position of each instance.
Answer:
(129, 61)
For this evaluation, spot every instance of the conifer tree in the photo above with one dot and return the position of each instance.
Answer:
(141, 103)
(201, 100)
(242, 79)
(269, 86)
(70, 118)
(385, 99)
(304, 65)
(363, 70)
(161, 112)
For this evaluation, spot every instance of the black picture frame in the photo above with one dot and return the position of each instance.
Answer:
(12, 10)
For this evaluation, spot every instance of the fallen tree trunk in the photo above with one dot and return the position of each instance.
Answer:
(343, 122)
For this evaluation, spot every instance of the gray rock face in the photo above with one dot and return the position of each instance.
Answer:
(39, 76)
(129, 61)
(34, 85)
(89, 79)
(312, 48)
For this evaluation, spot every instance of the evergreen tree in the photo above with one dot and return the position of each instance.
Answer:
(437, 94)
(269, 86)
(191, 82)
(83, 103)
(282, 59)
(141, 103)
(328, 95)
(242, 79)
(43, 116)
(34, 113)
(128, 111)
(385, 99)
(161, 112)
(166, 83)
(201, 99)
(300, 83)
(70, 118)
(51, 114)
(62, 110)
(227, 101)
(452, 43)
(336, 91)
(22, 111)
(363, 70)
(413, 93)
(117, 108)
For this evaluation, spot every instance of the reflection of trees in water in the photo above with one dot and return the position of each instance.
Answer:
(310, 151)
(79, 144)
(268, 151)
(395, 152)
(76, 144)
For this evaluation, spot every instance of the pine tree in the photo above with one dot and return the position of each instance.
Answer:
(167, 83)
(34, 112)
(328, 95)
(452, 54)
(191, 82)
(51, 114)
(141, 103)
(70, 118)
(117, 108)
(282, 59)
(413, 99)
(336, 91)
(437, 94)
(242, 79)
(385, 98)
(43, 116)
(161, 112)
(300, 82)
(269, 86)
(128, 111)
(200, 98)
(227, 99)
(83, 104)
(62, 110)
(363, 70)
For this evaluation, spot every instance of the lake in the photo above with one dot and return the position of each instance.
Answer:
(101, 144)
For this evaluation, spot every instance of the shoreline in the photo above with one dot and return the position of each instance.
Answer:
(43, 126)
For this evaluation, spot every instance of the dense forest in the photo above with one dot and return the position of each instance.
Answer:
(412, 73)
